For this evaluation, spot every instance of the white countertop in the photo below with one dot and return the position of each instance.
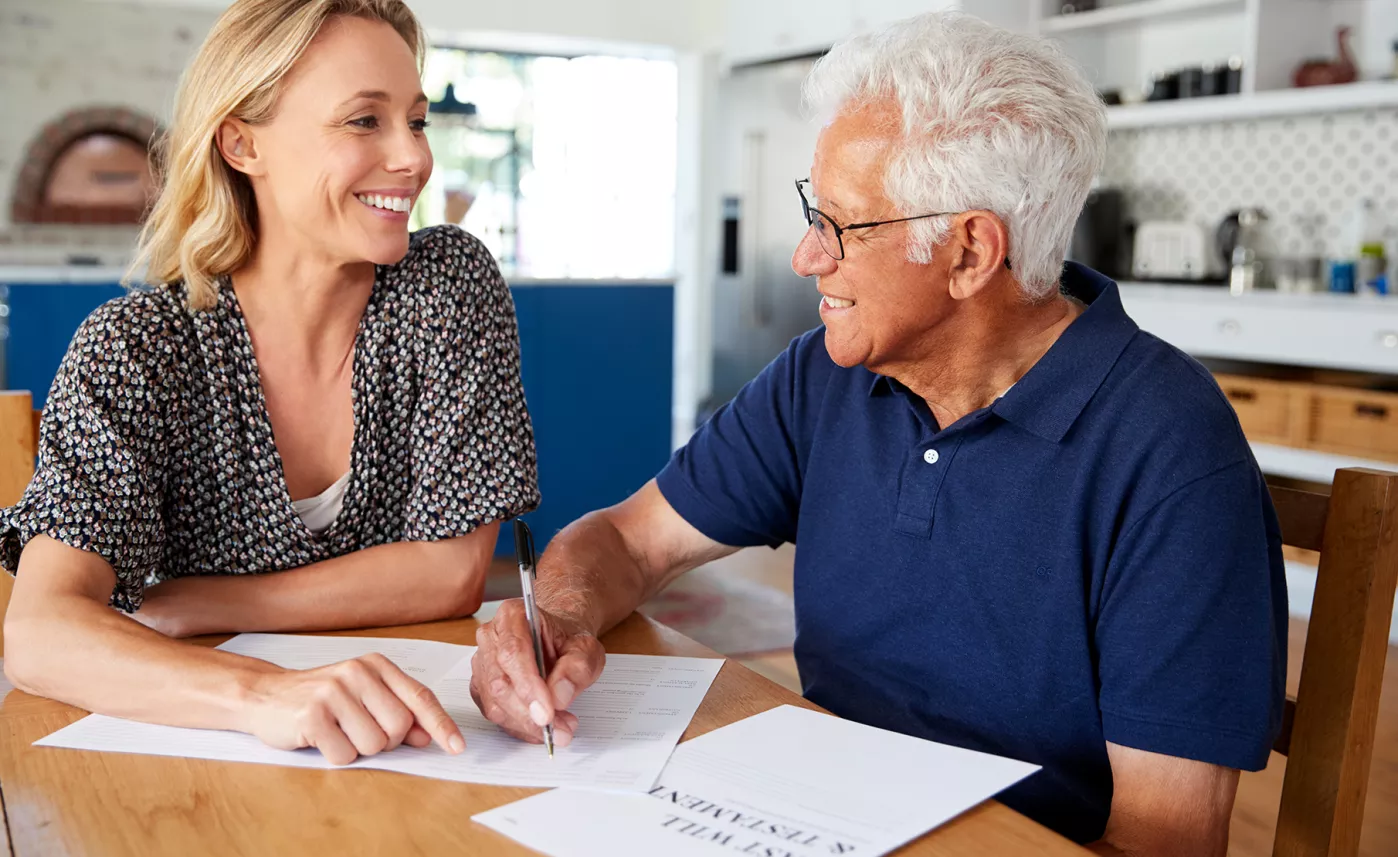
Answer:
(86, 274)
(1220, 296)
(60, 274)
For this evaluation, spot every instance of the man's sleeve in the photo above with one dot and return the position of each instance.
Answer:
(738, 480)
(1191, 633)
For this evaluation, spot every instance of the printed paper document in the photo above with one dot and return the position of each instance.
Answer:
(785, 783)
(628, 722)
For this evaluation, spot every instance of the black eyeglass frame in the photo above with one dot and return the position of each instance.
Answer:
(810, 211)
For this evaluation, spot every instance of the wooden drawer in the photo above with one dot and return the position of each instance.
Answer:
(1270, 411)
(1355, 422)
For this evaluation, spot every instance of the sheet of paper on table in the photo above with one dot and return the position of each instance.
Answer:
(629, 721)
(785, 783)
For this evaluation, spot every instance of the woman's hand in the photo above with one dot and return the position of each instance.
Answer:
(355, 708)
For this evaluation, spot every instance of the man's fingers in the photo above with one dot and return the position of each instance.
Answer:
(493, 693)
(565, 726)
(511, 709)
(579, 664)
(426, 709)
(514, 652)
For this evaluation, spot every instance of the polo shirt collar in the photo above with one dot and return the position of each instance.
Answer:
(1054, 392)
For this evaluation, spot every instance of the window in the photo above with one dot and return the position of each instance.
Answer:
(564, 167)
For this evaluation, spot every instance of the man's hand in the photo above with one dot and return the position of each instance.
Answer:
(1164, 806)
(505, 681)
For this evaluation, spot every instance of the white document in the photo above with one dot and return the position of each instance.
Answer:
(785, 783)
(628, 722)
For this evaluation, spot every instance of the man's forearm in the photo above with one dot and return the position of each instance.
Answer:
(393, 584)
(588, 577)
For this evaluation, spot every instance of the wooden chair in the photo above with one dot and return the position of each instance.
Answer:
(19, 442)
(1328, 730)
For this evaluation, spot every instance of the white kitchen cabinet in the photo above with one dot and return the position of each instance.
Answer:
(763, 30)
(873, 14)
(767, 30)
(1329, 331)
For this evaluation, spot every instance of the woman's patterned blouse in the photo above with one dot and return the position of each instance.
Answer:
(156, 450)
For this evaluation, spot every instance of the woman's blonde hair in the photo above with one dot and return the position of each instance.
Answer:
(204, 222)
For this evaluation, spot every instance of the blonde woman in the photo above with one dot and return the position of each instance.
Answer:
(316, 422)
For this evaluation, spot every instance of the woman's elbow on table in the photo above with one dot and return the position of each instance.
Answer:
(470, 592)
(466, 560)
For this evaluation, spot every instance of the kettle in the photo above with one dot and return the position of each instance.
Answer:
(1239, 239)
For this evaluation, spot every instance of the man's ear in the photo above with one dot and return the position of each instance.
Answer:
(980, 243)
(238, 146)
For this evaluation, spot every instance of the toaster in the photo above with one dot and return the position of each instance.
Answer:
(1172, 250)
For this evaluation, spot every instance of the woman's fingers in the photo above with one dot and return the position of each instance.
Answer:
(423, 703)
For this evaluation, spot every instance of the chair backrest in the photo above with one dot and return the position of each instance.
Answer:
(1328, 731)
(19, 440)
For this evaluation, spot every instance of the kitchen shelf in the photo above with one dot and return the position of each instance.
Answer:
(1133, 13)
(1308, 464)
(1256, 105)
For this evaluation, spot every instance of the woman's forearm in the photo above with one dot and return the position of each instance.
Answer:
(393, 584)
(65, 643)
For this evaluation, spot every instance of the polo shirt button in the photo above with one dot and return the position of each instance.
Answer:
(930, 456)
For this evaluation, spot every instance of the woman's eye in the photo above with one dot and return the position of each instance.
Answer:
(418, 125)
(366, 122)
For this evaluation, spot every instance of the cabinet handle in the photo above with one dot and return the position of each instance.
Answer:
(1240, 395)
(1388, 339)
(1371, 411)
(1230, 326)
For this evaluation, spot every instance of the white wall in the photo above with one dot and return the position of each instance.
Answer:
(59, 55)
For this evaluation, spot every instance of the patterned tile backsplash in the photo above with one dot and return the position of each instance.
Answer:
(1306, 172)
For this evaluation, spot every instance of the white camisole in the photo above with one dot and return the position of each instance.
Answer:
(320, 511)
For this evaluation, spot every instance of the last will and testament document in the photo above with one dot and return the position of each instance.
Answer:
(628, 722)
(785, 783)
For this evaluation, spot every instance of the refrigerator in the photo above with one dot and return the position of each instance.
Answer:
(763, 143)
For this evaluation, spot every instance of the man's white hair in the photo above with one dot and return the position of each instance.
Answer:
(991, 120)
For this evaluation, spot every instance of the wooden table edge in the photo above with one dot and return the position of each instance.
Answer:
(1028, 832)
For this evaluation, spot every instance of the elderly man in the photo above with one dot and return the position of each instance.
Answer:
(1023, 525)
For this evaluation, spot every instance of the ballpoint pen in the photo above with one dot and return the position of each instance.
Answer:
(524, 554)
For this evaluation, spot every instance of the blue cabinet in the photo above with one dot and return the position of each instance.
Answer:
(596, 361)
(42, 318)
(597, 369)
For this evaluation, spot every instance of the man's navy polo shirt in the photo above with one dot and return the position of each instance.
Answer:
(1094, 557)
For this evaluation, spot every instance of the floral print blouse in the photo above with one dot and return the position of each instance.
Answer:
(156, 450)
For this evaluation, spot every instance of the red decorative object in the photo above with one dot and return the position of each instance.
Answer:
(1317, 72)
(30, 203)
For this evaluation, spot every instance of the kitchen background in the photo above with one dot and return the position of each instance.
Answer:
(630, 163)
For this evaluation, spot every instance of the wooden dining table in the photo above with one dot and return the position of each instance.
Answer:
(61, 802)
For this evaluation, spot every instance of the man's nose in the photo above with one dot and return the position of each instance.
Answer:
(810, 259)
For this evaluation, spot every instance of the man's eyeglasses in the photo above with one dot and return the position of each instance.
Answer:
(831, 234)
